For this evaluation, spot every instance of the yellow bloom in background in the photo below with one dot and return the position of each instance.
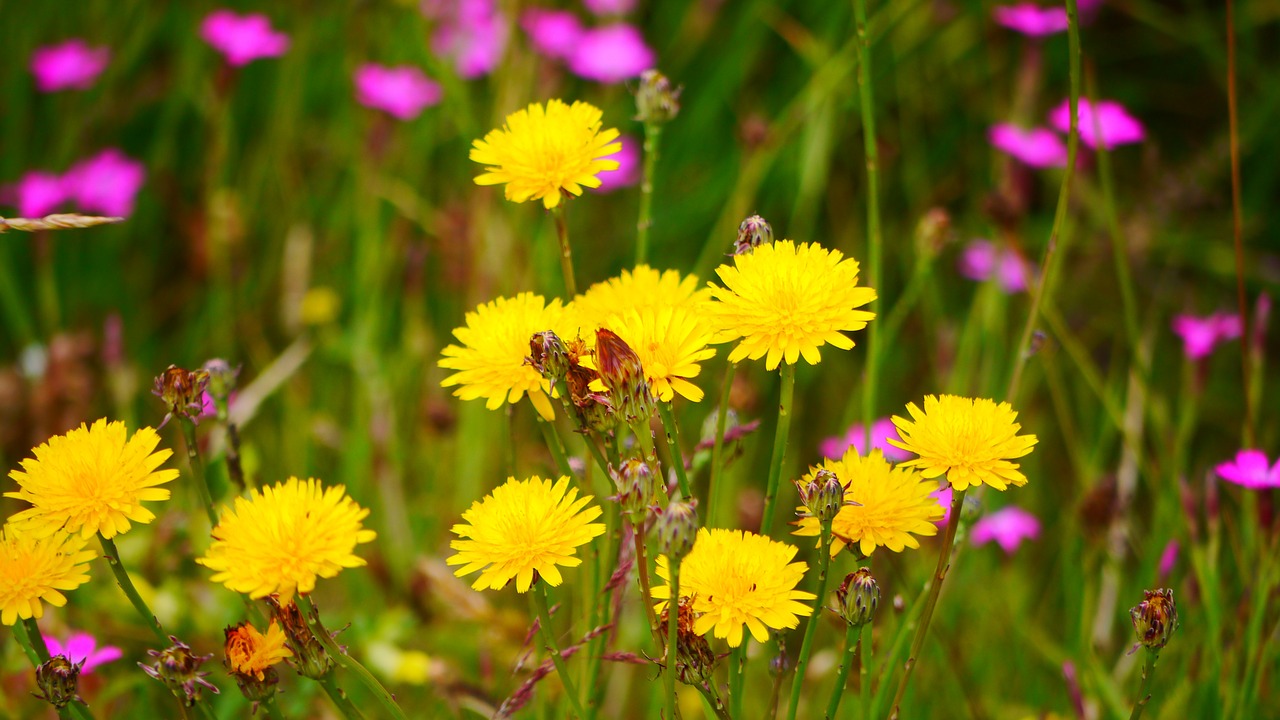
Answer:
(738, 578)
(638, 289)
(494, 344)
(894, 503)
(284, 537)
(91, 480)
(670, 342)
(249, 652)
(541, 153)
(35, 569)
(524, 527)
(785, 301)
(970, 441)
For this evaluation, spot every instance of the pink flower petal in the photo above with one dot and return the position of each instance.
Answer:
(403, 92)
(242, 38)
(39, 193)
(106, 183)
(54, 645)
(1250, 469)
(72, 65)
(554, 33)
(1032, 20)
(1168, 559)
(855, 437)
(1201, 334)
(471, 32)
(1117, 125)
(1008, 527)
(943, 495)
(610, 7)
(1036, 147)
(611, 54)
(629, 170)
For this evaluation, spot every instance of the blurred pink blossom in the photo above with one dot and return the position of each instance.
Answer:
(610, 7)
(471, 32)
(242, 38)
(982, 260)
(856, 437)
(1117, 125)
(628, 172)
(401, 91)
(1008, 527)
(1168, 559)
(73, 65)
(1200, 334)
(943, 496)
(611, 54)
(554, 33)
(1251, 469)
(106, 183)
(1031, 19)
(1037, 147)
(83, 646)
(37, 194)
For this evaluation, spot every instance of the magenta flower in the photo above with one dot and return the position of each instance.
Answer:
(471, 32)
(1117, 125)
(1037, 147)
(1250, 469)
(1008, 527)
(943, 496)
(37, 194)
(1200, 334)
(611, 54)
(73, 65)
(401, 91)
(982, 260)
(610, 7)
(554, 33)
(105, 183)
(628, 172)
(242, 38)
(1168, 559)
(1032, 20)
(855, 437)
(82, 646)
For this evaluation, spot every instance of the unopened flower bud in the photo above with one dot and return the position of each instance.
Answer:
(677, 528)
(858, 596)
(1155, 618)
(623, 374)
(932, 232)
(548, 355)
(310, 658)
(250, 657)
(822, 495)
(656, 101)
(695, 662)
(182, 392)
(638, 488)
(179, 670)
(58, 679)
(752, 233)
(222, 378)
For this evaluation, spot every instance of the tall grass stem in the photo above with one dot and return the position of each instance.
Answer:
(785, 411)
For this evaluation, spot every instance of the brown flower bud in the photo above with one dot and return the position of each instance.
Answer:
(548, 355)
(752, 233)
(58, 679)
(179, 669)
(310, 658)
(182, 392)
(623, 374)
(1155, 618)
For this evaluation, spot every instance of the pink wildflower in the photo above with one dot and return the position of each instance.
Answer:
(554, 33)
(1037, 147)
(1032, 20)
(628, 172)
(105, 183)
(242, 38)
(1200, 334)
(610, 7)
(1251, 469)
(943, 496)
(856, 437)
(471, 32)
(73, 65)
(1008, 527)
(1168, 559)
(402, 91)
(982, 260)
(38, 193)
(1117, 125)
(611, 54)
(83, 646)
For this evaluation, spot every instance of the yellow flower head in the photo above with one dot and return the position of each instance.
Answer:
(249, 652)
(670, 342)
(522, 528)
(786, 301)
(739, 578)
(893, 503)
(91, 480)
(542, 153)
(971, 441)
(494, 344)
(639, 289)
(284, 537)
(36, 568)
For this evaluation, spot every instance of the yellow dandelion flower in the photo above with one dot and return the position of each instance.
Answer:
(738, 578)
(670, 342)
(785, 301)
(494, 344)
(524, 527)
(249, 652)
(284, 537)
(541, 153)
(91, 480)
(34, 569)
(970, 441)
(894, 503)
(638, 289)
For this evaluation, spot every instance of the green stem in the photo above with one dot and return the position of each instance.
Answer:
(538, 600)
(864, 687)
(867, 107)
(339, 697)
(737, 674)
(47, 284)
(672, 429)
(940, 574)
(348, 662)
(673, 614)
(776, 692)
(552, 438)
(1237, 226)
(566, 253)
(811, 626)
(271, 708)
(851, 643)
(197, 469)
(112, 556)
(1144, 694)
(17, 317)
(652, 135)
(714, 701)
(713, 484)
(779, 446)
(642, 569)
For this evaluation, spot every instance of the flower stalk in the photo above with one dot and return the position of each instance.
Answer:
(566, 253)
(1144, 692)
(869, 144)
(779, 446)
(346, 661)
(672, 429)
(852, 642)
(197, 469)
(339, 697)
(717, 449)
(811, 627)
(112, 556)
(538, 601)
(669, 675)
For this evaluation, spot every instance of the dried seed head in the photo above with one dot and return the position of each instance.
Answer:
(858, 596)
(58, 679)
(182, 392)
(1155, 618)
